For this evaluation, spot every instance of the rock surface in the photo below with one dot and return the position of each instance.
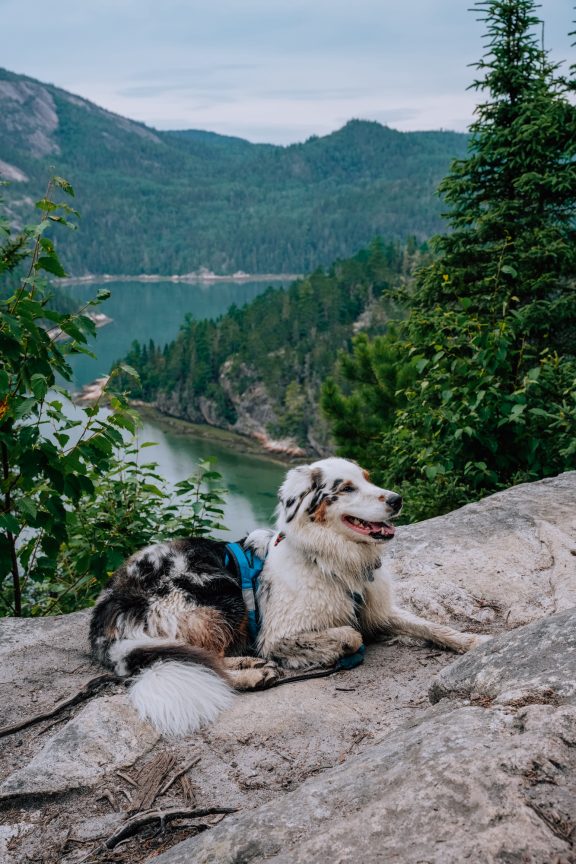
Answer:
(536, 663)
(106, 734)
(464, 785)
(357, 766)
(499, 563)
(458, 784)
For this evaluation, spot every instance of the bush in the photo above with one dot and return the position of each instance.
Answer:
(71, 506)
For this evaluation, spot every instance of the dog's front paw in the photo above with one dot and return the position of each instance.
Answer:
(349, 638)
(473, 640)
(478, 639)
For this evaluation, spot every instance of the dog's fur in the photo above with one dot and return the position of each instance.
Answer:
(173, 615)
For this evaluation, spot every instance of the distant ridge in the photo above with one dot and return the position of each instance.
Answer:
(173, 202)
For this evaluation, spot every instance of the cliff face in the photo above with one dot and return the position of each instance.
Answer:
(254, 412)
(417, 755)
(29, 116)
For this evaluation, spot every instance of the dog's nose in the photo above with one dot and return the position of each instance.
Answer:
(395, 502)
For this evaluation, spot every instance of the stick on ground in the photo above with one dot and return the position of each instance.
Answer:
(88, 689)
(131, 826)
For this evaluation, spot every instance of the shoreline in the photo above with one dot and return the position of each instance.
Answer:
(201, 277)
(239, 443)
(91, 393)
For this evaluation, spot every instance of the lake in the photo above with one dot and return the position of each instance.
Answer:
(143, 311)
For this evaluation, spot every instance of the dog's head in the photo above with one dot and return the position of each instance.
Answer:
(337, 494)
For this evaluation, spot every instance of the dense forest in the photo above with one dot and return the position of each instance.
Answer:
(172, 202)
(259, 369)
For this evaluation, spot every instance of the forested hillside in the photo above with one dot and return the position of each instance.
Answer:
(172, 202)
(259, 370)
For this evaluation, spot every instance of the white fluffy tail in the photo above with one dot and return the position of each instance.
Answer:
(178, 691)
(178, 698)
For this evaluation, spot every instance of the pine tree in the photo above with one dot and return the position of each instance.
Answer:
(492, 324)
(513, 200)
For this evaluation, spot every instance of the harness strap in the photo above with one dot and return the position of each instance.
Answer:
(249, 566)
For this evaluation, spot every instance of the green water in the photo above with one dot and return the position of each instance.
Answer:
(144, 311)
(252, 482)
(151, 310)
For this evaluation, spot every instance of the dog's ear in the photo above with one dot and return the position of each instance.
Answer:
(299, 483)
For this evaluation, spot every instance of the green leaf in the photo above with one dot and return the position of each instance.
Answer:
(51, 264)
(128, 370)
(39, 386)
(64, 185)
(9, 523)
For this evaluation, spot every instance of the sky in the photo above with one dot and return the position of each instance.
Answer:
(272, 71)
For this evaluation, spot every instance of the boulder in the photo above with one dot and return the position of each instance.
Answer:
(496, 564)
(357, 766)
(536, 663)
(458, 785)
(106, 734)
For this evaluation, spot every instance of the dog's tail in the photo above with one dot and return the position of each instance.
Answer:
(177, 687)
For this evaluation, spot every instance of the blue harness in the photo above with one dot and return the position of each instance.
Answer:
(249, 566)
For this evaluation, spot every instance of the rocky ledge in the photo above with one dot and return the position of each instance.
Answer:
(417, 756)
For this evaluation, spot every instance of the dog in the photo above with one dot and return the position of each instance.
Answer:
(174, 618)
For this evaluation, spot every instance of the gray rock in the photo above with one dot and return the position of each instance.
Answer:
(464, 785)
(502, 562)
(106, 734)
(478, 784)
(37, 124)
(12, 840)
(98, 827)
(536, 663)
(42, 660)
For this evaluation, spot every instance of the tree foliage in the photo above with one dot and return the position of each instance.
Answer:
(280, 347)
(492, 323)
(72, 507)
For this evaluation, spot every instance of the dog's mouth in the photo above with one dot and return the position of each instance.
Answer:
(375, 530)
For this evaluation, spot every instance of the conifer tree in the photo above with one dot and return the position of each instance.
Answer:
(492, 323)
(513, 200)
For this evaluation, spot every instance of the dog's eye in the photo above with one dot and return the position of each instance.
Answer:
(348, 487)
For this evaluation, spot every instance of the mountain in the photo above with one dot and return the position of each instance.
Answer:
(171, 202)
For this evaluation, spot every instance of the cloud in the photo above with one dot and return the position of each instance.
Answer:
(286, 69)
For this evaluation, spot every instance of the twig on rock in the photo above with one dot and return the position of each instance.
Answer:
(126, 795)
(88, 689)
(107, 794)
(127, 778)
(131, 826)
(187, 789)
(179, 774)
(150, 780)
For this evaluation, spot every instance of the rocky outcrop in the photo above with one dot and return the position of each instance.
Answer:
(534, 664)
(29, 115)
(253, 409)
(463, 785)
(358, 766)
(499, 563)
